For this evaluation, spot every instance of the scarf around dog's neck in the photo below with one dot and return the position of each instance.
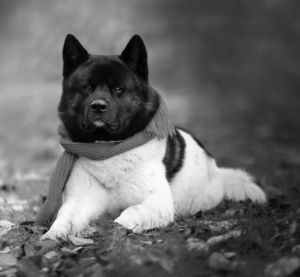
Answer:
(159, 127)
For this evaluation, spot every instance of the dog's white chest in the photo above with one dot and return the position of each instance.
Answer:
(115, 171)
(120, 181)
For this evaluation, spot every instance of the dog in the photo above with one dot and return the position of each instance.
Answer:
(108, 98)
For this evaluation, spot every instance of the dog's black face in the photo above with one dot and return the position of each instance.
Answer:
(105, 97)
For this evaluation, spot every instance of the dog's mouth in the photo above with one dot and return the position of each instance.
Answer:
(99, 123)
(95, 124)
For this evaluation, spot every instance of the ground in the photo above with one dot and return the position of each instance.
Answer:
(229, 73)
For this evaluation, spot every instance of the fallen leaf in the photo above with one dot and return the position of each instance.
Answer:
(221, 238)
(44, 246)
(80, 241)
(68, 251)
(230, 255)
(77, 249)
(7, 260)
(18, 207)
(296, 249)
(4, 232)
(52, 255)
(29, 250)
(293, 227)
(230, 213)
(6, 224)
(5, 227)
(221, 226)
(194, 244)
(6, 250)
(218, 261)
(10, 272)
(17, 252)
(187, 232)
(147, 242)
(283, 267)
(89, 231)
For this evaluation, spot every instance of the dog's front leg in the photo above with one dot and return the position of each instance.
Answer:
(62, 225)
(157, 210)
(84, 200)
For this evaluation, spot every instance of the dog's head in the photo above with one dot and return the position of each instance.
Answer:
(105, 97)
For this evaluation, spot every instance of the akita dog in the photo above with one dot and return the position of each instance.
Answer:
(109, 99)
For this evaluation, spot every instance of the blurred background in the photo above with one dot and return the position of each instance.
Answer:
(229, 71)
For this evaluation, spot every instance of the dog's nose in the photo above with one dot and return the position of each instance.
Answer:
(99, 105)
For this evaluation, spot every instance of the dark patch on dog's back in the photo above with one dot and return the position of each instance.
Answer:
(198, 142)
(175, 154)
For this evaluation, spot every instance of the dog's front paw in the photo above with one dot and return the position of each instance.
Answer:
(56, 234)
(130, 219)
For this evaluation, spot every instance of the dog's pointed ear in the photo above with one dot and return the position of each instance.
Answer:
(135, 57)
(74, 54)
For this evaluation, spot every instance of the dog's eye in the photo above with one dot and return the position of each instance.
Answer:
(87, 87)
(117, 90)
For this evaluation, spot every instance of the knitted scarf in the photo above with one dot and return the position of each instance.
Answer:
(159, 127)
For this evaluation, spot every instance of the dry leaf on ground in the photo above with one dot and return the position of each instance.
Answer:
(221, 238)
(80, 241)
(283, 267)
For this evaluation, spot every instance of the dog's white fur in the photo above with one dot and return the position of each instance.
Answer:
(133, 187)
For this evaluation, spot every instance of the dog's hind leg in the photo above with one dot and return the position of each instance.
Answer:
(238, 185)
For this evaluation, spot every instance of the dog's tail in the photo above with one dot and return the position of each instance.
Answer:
(238, 185)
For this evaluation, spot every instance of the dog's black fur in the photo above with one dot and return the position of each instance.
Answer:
(174, 157)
